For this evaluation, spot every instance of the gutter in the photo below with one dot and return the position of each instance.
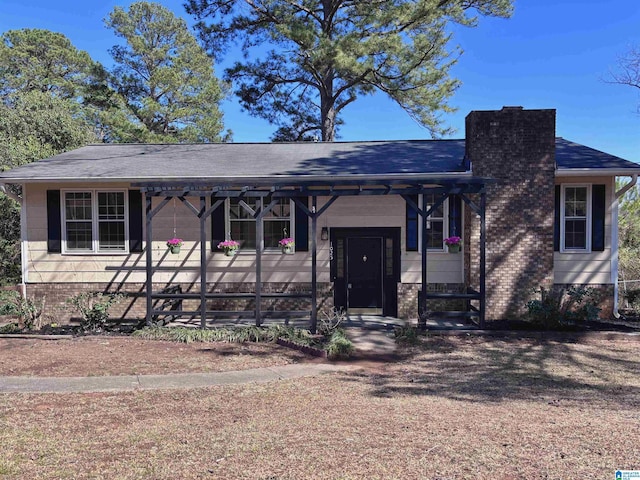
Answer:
(614, 242)
(245, 179)
(597, 172)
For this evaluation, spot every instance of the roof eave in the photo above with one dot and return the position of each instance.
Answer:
(594, 172)
(261, 180)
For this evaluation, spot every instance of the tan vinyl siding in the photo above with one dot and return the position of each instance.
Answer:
(365, 211)
(593, 267)
(442, 267)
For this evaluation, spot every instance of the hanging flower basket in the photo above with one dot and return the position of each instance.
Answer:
(287, 245)
(453, 244)
(230, 247)
(174, 245)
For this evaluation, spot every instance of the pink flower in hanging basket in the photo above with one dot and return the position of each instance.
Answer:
(174, 242)
(228, 245)
(287, 242)
(453, 241)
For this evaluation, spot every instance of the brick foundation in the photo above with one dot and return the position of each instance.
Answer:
(408, 298)
(133, 307)
(603, 296)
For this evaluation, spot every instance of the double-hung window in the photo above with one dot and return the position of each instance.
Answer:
(277, 223)
(94, 221)
(576, 218)
(436, 226)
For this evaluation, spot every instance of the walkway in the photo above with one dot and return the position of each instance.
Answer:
(150, 382)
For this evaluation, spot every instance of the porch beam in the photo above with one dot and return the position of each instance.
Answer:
(476, 209)
(317, 213)
(422, 211)
(278, 181)
(212, 208)
(305, 191)
(188, 204)
(160, 206)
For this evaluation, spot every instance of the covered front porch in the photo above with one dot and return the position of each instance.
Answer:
(312, 199)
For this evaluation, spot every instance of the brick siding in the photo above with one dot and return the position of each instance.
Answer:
(515, 147)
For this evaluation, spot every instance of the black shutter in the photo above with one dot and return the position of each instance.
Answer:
(455, 216)
(217, 225)
(556, 221)
(302, 227)
(54, 222)
(135, 221)
(598, 212)
(411, 232)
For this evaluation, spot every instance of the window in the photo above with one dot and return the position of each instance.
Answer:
(576, 217)
(277, 224)
(94, 221)
(436, 226)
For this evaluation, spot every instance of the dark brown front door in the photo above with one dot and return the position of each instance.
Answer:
(364, 275)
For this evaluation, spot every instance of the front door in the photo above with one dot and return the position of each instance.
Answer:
(364, 275)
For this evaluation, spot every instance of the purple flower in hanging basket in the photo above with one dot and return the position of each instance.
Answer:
(228, 245)
(287, 242)
(453, 241)
(174, 242)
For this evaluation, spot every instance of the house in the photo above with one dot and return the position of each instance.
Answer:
(369, 221)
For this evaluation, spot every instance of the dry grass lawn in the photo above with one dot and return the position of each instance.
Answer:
(451, 408)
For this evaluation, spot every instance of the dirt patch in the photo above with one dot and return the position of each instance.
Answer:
(451, 408)
(120, 355)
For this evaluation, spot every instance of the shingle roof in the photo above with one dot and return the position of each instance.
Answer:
(144, 162)
(208, 161)
(573, 156)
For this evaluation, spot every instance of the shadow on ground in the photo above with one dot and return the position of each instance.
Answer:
(495, 370)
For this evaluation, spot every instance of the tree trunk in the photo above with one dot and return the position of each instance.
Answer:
(327, 102)
(327, 108)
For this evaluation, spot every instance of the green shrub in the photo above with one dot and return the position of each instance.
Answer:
(28, 310)
(10, 328)
(339, 346)
(558, 308)
(219, 334)
(94, 307)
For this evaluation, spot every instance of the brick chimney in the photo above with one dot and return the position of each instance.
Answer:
(516, 147)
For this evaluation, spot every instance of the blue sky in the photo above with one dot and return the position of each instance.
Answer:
(550, 54)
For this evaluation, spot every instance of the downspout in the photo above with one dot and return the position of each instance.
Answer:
(614, 242)
(23, 234)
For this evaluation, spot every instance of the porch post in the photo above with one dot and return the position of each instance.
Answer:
(259, 244)
(422, 304)
(314, 269)
(203, 263)
(149, 258)
(483, 256)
